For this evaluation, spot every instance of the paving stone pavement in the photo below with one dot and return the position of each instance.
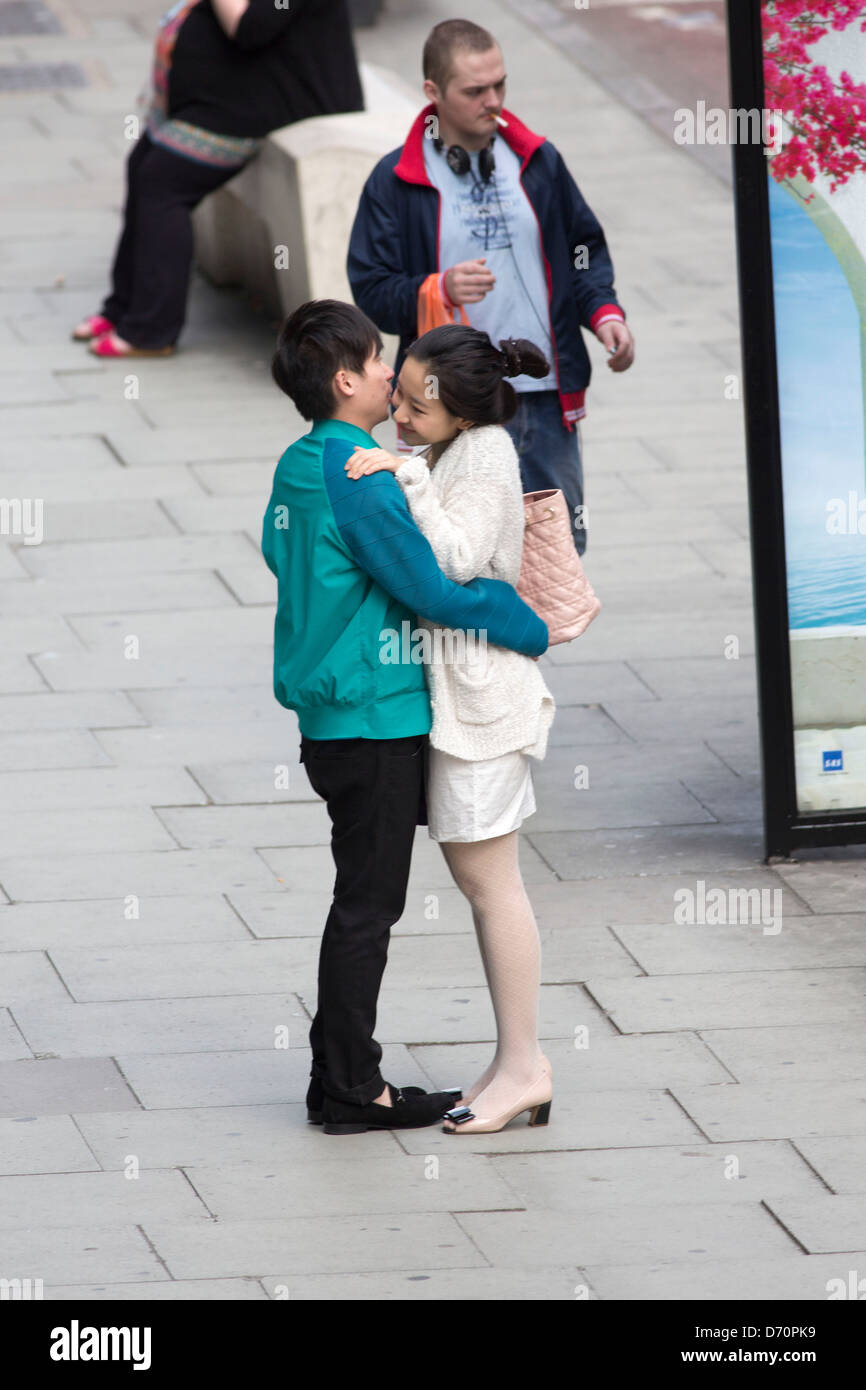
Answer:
(162, 892)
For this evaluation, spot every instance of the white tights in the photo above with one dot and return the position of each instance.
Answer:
(488, 874)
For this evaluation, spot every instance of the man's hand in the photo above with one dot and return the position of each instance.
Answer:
(371, 461)
(469, 282)
(616, 334)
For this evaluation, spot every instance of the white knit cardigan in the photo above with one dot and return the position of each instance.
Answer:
(469, 505)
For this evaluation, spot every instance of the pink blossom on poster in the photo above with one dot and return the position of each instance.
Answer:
(827, 115)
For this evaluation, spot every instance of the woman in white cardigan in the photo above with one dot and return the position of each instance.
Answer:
(491, 708)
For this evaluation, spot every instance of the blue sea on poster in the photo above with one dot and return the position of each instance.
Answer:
(821, 416)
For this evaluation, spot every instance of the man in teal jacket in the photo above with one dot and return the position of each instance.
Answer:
(352, 567)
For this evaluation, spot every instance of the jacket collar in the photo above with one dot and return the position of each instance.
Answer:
(341, 429)
(410, 166)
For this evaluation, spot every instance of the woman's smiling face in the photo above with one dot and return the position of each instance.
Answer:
(420, 414)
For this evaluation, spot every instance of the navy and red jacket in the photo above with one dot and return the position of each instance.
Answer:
(394, 246)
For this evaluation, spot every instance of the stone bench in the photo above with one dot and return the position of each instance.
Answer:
(281, 226)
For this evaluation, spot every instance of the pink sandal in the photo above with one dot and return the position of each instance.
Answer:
(106, 345)
(92, 327)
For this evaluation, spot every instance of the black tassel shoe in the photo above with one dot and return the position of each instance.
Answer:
(406, 1111)
(316, 1095)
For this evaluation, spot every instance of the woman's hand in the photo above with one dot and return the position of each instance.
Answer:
(371, 461)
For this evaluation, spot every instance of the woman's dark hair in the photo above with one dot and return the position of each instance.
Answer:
(315, 342)
(470, 372)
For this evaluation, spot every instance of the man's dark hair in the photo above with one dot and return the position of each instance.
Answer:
(315, 342)
(442, 41)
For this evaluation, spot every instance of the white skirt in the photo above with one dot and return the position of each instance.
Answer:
(469, 801)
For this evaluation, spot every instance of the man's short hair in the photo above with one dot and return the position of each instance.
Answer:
(444, 40)
(315, 342)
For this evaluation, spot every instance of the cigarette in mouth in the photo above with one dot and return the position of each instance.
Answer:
(499, 121)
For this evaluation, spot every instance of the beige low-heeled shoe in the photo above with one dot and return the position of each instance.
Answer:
(537, 1098)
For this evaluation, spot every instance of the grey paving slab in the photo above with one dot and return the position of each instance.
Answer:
(700, 633)
(74, 417)
(828, 887)
(99, 1199)
(807, 1052)
(807, 1279)
(647, 721)
(29, 635)
(160, 1291)
(229, 479)
(293, 1248)
(83, 788)
(694, 849)
(590, 1181)
(636, 1233)
(437, 1286)
(299, 913)
(29, 975)
(578, 1120)
(593, 683)
(335, 1186)
(19, 675)
(785, 1109)
(156, 1026)
(152, 667)
(727, 795)
(70, 1255)
(594, 1060)
(590, 807)
(73, 595)
(47, 1086)
(109, 922)
(825, 1224)
(249, 583)
(166, 745)
(153, 555)
(246, 704)
(801, 943)
(840, 1161)
(202, 1135)
(268, 1075)
(89, 521)
(13, 1046)
(733, 1000)
(137, 447)
(213, 826)
(146, 874)
(237, 627)
(44, 1144)
(229, 782)
(99, 831)
(47, 710)
(182, 969)
(464, 1013)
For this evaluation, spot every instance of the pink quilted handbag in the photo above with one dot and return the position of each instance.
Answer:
(552, 579)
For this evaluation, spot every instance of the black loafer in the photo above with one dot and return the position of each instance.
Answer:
(406, 1111)
(316, 1095)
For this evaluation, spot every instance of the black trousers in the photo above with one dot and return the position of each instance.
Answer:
(150, 275)
(374, 790)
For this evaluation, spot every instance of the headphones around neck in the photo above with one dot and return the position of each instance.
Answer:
(459, 162)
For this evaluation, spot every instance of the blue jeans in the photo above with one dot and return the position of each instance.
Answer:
(549, 453)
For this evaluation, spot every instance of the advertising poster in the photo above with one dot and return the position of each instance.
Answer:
(814, 59)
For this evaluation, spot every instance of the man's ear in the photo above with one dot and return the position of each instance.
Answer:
(342, 385)
(431, 91)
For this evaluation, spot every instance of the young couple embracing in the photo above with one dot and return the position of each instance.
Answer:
(363, 542)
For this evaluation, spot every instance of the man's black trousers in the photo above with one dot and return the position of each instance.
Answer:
(374, 790)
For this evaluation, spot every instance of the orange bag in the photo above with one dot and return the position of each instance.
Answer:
(431, 306)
